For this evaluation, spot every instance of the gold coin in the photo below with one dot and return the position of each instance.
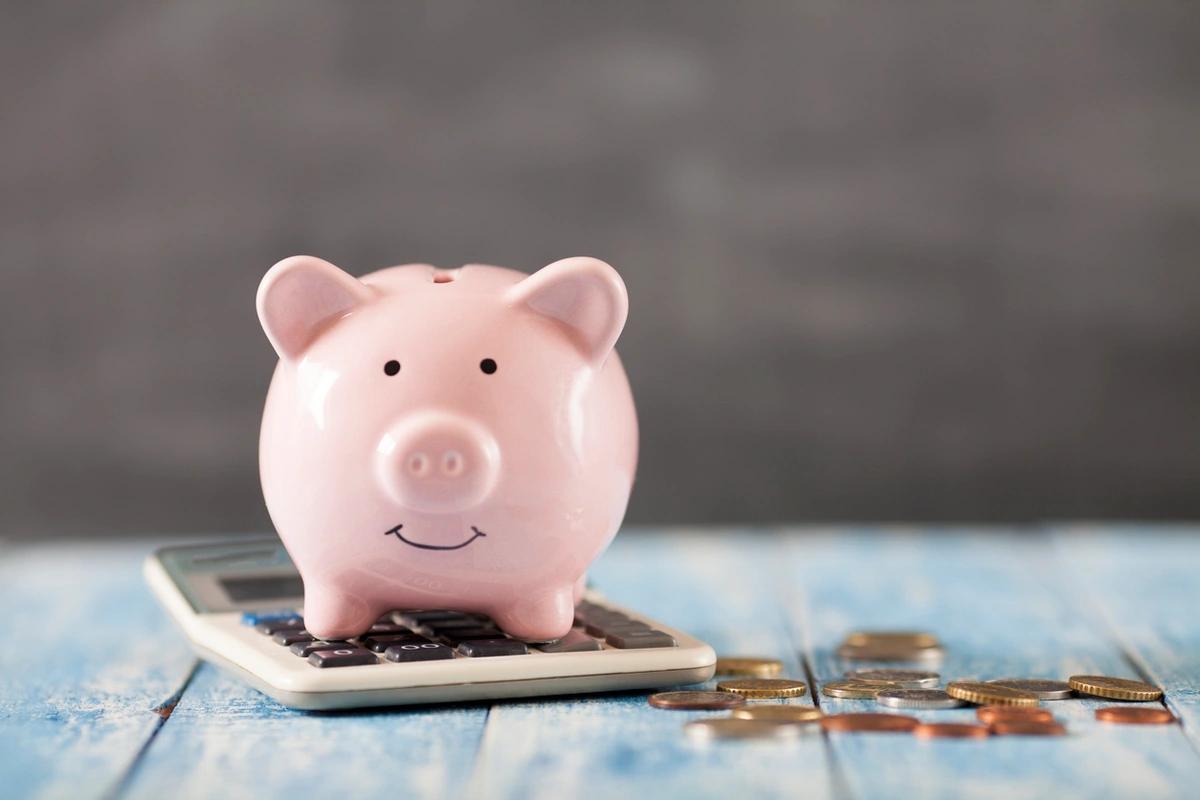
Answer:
(763, 688)
(990, 694)
(1114, 688)
(902, 639)
(854, 690)
(780, 713)
(888, 652)
(749, 667)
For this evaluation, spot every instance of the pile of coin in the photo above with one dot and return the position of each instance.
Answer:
(899, 646)
(1005, 706)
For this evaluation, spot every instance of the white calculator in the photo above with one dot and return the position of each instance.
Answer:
(239, 602)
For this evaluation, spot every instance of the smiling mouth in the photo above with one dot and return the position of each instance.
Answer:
(475, 534)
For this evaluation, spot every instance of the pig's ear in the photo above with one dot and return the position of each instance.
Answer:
(300, 296)
(586, 295)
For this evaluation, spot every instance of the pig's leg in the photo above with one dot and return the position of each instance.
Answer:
(580, 586)
(330, 614)
(539, 618)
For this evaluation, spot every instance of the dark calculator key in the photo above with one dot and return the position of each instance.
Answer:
(271, 627)
(638, 639)
(451, 624)
(464, 634)
(428, 616)
(381, 643)
(385, 629)
(485, 648)
(602, 629)
(288, 638)
(305, 648)
(342, 657)
(574, 642)
(417, 651)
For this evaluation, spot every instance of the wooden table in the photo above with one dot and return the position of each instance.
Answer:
(99, 695)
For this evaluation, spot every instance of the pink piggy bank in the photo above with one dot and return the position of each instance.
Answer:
(461, 439)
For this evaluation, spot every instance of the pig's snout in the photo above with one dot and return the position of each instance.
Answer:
(438, 462)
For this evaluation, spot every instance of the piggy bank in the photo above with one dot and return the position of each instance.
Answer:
(454, 439)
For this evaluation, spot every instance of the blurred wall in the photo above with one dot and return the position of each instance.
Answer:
(886, 260)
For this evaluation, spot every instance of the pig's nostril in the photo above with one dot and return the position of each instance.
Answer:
(418, 465)
(453, 463)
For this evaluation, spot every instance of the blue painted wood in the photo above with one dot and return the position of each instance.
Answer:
(712, 586)
(73, 724)
(88, 657)
(1000, 605)
(227, 740)
(1143, 583)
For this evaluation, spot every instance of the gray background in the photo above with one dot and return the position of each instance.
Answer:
(887, 261)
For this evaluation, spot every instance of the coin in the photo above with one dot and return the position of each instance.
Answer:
(1114, 688)
(950, 730)
(764, 688)
(888, 652)
(1044, 689)
(991, 714)
(1135, 715)
(880, 723)
(693, 701)
(748, 666)
(989, 694)
(901, 678)
(916, 698)
(778, 712)
(908, 639)
(852, 690)
(732, 728)
(1028, 728)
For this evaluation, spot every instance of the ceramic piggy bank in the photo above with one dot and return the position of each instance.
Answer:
(461, 439)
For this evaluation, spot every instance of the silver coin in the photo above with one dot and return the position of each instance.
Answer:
(732, 728)
(916, 698)
(902, 678)
(1043, 688)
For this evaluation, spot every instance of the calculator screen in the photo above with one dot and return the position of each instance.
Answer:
(249, 588)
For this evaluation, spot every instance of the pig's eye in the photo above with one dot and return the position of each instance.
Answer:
(391, 367)
(488, 366)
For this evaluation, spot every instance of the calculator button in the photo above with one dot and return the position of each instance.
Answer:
(418, 617)
(289, 638)
(342, 657)
(485, 648)
(574, 642)
(457, 622)
(386, 629)
(274, 626)
(381, 643)
(305, 648)
(638, 639)
(463, 634)
(417, 651)
(602, 629)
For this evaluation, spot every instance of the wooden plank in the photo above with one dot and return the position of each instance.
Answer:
(227, 740)
(88, 658)
(999, 602)
(709, 584)
(1144, 585)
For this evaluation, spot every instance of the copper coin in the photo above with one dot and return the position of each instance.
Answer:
(1028, 728)
(992, 714)
(696, 701)
(950, 730)
(869, 723)
(1135, 715)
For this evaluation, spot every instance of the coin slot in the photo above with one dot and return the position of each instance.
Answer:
(443, 277)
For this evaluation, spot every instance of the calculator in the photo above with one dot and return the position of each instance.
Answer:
(239, 605)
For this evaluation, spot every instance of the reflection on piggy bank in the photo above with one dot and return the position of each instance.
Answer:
(461, 439)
